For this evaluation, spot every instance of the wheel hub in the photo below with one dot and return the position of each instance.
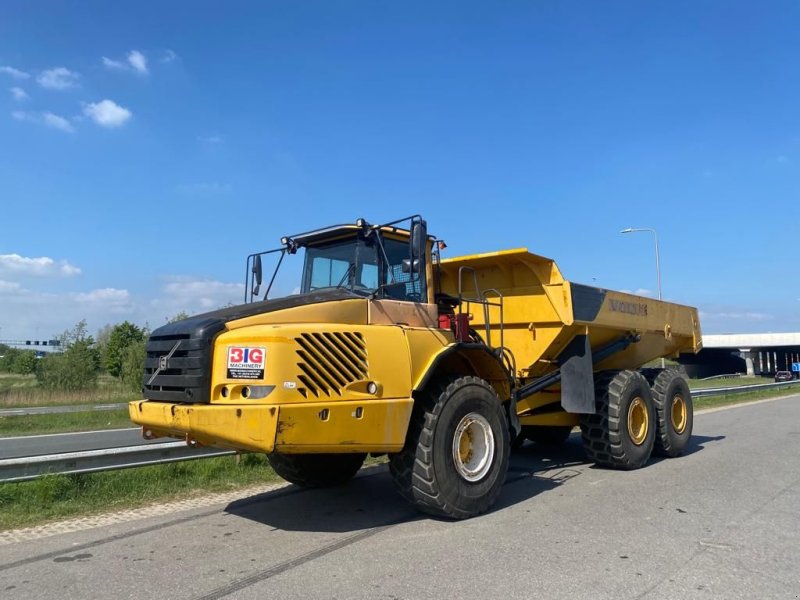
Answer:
(638, 421)
(473, 447)
(679, 414)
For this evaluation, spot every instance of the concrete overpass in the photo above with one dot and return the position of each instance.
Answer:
(751, 353)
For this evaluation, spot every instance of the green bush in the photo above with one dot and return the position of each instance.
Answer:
(133, 365)
(21, 362)
(74, 369)
(122, 336)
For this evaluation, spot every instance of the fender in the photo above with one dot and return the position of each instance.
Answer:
(474, 359)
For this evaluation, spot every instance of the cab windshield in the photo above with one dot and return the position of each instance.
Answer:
(359, 265)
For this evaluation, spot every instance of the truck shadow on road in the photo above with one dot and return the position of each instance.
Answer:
(370, 501)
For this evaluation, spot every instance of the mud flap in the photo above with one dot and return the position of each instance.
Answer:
(577, 379)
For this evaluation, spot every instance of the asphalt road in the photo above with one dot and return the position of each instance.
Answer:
(720, 522)
(55, 443)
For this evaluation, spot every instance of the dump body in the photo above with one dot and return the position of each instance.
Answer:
(543, 313)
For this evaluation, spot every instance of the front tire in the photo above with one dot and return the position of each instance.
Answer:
(455, 459)
(316, 470)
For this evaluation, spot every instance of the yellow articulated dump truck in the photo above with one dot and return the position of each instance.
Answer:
(441, 364)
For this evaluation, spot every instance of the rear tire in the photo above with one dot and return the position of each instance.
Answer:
(622, 432)
(674, 413)
(455, 459)
(547, 436)
(316, 470)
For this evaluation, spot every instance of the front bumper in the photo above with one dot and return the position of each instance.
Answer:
(337, 427)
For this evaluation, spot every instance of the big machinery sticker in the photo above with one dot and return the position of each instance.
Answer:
(246, 363)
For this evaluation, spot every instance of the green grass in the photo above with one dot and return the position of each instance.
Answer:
(700, 384)
(63, 496)
(714, 401)
(62, 423)
(18, 391)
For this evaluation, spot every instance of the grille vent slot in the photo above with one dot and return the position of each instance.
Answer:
(330, 361)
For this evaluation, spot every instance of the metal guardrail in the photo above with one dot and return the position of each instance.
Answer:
(91, 461)
(57, 410)
(742, 389)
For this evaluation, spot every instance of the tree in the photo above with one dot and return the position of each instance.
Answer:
(73, 369)
(14, 360)
(101, 341)
(76, 334)
(7, 357)
(24, 362)
(133, 365)
(178, 317)
(122, 335)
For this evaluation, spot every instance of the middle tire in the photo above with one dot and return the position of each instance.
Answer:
(550, 436)
(456, 454)
(316, 470)
(622, 432)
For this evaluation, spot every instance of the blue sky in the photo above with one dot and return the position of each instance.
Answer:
(146, 149)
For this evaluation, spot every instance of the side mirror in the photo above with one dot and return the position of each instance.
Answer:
(257, 273)
(410, 267)
(419, 239)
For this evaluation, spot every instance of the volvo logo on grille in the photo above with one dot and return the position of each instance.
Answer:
(163, 361)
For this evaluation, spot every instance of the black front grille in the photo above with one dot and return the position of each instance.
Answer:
(178, 363)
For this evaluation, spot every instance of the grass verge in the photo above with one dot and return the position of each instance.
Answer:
(701, 384)
(17, 391)
(63, 423)
(62, 496)
(742, 398)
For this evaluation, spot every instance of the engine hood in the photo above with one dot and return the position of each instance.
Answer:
(217, 319)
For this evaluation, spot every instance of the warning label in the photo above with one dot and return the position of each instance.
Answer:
(246, 363)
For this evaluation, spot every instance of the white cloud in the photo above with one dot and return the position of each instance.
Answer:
(107, 113)
(15, 73)
(19, 94)
(168, 56)
(135, 62)
(45, 118)
(9, 287)
(114, 64)
(640, 292)
(57, 122)
(103, 296)
(42, 266)
(26, 313)
(209, 139)
(138, 61)
(196, 295)
(58, 78)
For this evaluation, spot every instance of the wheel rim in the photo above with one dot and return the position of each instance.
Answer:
(638, 421)
(473, 447)
(679, 414)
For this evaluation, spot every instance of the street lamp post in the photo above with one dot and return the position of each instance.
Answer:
(658, 261)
